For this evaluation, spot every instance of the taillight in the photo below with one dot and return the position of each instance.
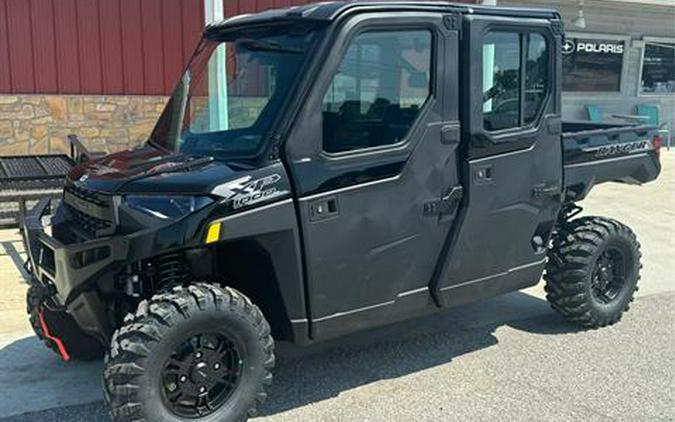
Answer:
(657, 141)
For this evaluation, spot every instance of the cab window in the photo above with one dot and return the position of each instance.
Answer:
(378, 90)
(515, 79)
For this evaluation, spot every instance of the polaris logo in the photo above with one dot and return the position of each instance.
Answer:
(620, 149)
(569, 47)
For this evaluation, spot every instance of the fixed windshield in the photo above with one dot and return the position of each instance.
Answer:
(232, 92)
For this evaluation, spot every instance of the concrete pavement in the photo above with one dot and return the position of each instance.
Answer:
(506, 358)
(438, 369)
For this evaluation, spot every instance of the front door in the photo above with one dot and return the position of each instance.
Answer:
(372, 154)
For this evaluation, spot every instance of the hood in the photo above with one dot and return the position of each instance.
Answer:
(151, 170)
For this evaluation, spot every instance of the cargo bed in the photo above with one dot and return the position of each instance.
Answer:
(598, 152)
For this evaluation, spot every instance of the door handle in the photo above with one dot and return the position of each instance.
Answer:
(450, 134)
(545, 190)
(483, 174)
(448, 204)
(323, 208)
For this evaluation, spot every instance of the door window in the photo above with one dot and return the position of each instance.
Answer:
(509, 58)
(536, 76)
(378, 90)
(501, 81)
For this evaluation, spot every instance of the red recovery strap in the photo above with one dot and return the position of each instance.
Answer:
(59, 344)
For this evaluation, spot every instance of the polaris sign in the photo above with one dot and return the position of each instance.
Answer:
(592, 65)
(592, 46)
(599, 47)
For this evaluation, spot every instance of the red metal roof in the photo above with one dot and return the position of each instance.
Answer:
(104, 46)
(96, 46)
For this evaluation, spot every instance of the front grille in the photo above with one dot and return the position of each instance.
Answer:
(87, 222)
(89, 196)
(90, 212)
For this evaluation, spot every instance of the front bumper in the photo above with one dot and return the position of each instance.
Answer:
(78, 276)
(64, 270)
(67, 274)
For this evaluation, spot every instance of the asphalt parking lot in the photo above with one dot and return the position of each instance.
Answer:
(508, 358)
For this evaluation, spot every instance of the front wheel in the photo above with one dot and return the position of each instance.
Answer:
(199, 352)
(593, 271)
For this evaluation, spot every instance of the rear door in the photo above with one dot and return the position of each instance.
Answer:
(512, 164)
(372, 155)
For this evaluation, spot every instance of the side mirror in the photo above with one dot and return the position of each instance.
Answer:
(418, 80)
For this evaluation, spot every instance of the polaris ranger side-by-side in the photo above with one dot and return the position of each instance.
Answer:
(326, 169)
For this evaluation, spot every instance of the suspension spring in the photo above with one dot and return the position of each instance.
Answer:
(171, 269)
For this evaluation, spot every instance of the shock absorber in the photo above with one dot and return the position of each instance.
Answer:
(171, 269)
(147, 276)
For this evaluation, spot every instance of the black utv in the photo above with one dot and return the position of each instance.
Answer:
(326, 169)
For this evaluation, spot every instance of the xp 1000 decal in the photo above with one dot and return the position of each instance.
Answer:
(248, 191)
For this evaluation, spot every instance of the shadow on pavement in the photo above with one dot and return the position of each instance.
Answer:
(316, 373)
(34, 378)
(16, 258)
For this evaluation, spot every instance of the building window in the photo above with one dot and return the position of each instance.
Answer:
(506, 104)
(658, 68)
(378, 91)
(592, 65)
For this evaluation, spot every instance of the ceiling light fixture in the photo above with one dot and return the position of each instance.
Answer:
(580, 20)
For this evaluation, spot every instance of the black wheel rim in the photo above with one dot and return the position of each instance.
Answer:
(609, 276)
(201, 375)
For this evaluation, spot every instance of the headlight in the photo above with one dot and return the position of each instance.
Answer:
(167, 207)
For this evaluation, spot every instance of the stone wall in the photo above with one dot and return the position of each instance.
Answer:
(40, 124)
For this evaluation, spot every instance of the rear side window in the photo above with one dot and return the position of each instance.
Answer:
(536, 76)
(515, 79)
(501, 80)
(378, 90)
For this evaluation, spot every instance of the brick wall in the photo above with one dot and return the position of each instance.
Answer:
(40, 124)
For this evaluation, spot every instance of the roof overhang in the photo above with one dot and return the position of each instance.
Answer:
(328, 11)
(668, 3)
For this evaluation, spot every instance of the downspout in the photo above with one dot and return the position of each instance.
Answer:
(218, 100)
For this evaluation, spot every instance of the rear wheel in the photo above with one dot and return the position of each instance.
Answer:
(199, 352)
(593, 271)
(61, 327)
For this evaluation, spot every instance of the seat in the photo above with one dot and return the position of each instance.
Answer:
(594, 113)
